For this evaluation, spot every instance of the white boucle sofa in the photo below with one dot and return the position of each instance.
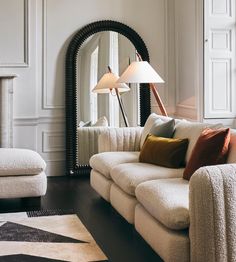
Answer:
(22, 174)
(181, 220)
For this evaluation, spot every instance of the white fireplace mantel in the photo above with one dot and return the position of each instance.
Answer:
(6, 109)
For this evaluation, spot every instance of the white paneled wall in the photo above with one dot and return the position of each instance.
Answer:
(34, 37)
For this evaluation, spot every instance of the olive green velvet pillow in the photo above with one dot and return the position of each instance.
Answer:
(167, 152)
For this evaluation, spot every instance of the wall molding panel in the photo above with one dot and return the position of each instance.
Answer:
(221, 8)
(45, 96)
(25, 49)
(221, 40)
(221, 72)
(53, 141)
(35, 121)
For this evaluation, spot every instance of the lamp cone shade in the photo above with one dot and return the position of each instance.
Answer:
(108, 82)
(140, 72)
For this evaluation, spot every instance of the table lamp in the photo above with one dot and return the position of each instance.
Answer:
(107, 84)
(142, 72)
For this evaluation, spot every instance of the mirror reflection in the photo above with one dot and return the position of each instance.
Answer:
(96, 54)
(100, 54)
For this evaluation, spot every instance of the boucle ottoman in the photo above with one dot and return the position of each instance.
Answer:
(22, 174)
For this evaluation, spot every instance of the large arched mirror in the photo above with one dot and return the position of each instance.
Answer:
(90, 52)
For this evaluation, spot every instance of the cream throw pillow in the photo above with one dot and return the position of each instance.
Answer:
(102, 121)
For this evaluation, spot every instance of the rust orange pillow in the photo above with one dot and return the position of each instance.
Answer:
(211, 149)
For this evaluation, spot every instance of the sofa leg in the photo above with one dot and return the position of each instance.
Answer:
(31, 201)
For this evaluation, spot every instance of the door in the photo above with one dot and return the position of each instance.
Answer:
(219, 59)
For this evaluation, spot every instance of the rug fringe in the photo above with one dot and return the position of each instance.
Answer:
(49, 212)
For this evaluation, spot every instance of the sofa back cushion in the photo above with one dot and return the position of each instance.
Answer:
(192, 131)
(232, 147)
(119, 139)
(211, 149)
(167, 152)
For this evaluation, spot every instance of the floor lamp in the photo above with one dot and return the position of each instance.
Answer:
(107, 84)
(142, 72)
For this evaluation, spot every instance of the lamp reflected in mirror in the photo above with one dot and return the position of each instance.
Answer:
(108, 84)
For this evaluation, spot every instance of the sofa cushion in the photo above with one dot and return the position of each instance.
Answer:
(211, 149)
(101, 184)
(167, 200)
(232, 147)
(16, 162)
(104, 162)
(128, 176)
(190, 130)
(168, 152)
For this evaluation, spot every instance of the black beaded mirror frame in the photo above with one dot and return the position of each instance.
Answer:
(72, 168)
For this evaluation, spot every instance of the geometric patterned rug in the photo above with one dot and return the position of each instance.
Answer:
(41, 237)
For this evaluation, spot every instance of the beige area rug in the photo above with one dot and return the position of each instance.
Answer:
(46, 238)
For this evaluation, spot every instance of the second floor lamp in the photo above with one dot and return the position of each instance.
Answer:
(142, 72)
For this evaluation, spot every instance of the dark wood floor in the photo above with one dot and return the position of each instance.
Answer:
(118, 239)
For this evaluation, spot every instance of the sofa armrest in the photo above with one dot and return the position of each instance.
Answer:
(120, 139)
(213, 213)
